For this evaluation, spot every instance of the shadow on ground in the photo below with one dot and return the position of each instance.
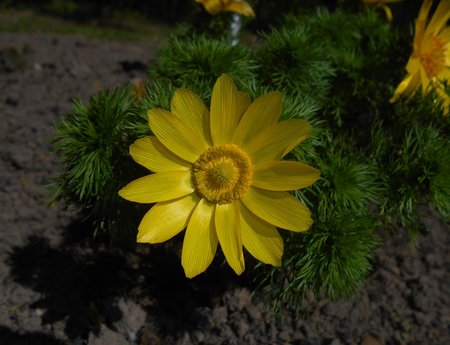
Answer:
(82, 280)
(81, 288)
(11, 338)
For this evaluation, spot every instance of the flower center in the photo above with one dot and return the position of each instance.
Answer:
(433, 59)
(222, 174)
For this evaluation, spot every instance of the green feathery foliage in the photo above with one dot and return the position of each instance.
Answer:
(158, 95)
(377, 179)
(414, 171)
(93, 150)
(440, 182)
(195, 62)
(90, 141)
(346, 180)
(336, 254)
(360, 49)
(411, 151)
(292, 61)
(334, 257)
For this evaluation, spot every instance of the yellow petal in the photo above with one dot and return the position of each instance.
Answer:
(305, 132)
(439, 18)
(413, 65)
(388, 12)
(244, 102)
(284, 175)
(191, 109)
(278, 208)
(200, 240)
(175, 135)
(225, 109)
(166, 219)
(420, 24)
(158, 187)
(277, 140)
(229, 235)
(213, 7)
(445, 35)
(151, 154)
(260, 238)
(445, 98)
(424, 80)
(444, 75)
(240, 7)
(407, 86)
(264, 111)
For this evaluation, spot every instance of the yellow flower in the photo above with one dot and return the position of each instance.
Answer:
(429, 64)
(214, 7)
(138, 88)
(381, 4)
(220, 175)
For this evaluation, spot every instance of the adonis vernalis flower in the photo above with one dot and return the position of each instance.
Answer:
(219, 174)
(382, 4)
(429, 64)
(214, 7)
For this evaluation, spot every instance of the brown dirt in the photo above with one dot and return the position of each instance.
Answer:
(58, 286)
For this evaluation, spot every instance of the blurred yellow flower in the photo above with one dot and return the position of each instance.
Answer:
(382, 4)
(137, 88)
(219, 174)
(214, 7)
(429, 64)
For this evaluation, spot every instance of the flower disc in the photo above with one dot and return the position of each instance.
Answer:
(433, 59)
(223, 173)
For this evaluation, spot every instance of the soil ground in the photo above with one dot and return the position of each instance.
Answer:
(58, 286)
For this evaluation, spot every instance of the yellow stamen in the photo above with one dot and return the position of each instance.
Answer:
(433, 59)
(223, 174)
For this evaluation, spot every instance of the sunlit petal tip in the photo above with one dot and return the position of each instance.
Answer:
(260, 238)
(262, 113)
(225, 84)
(191, 109)
(121, 193)
(388, 13)
(271, 104)
(200, 241)
(284, 175)
(226, 110)
(225, 78)
(214, 7)
(240, 269)
(229, 234)
(407, 85)
(176, 135)
(154, 112)
(277, 140)
(307, 128)
(276, 95)
(276, 263)
(241, 8)
(185, 101)
(191, 271)
(244, 102)
(151, 154)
